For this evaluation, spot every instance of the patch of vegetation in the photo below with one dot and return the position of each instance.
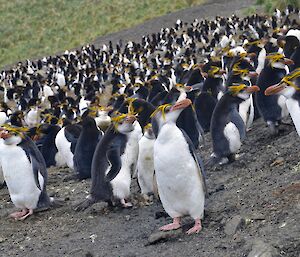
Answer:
(270, 5)
(30, 28)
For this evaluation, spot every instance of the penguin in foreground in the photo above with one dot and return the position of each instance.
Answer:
(227, 126)
(26, 175)
(289, 87)
(111, 165)
(1, 177)
(179, 172)
(85, 147)
(145, 164)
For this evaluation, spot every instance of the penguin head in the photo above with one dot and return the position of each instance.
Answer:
(169, 113)
(12, 135)
(242, 91)
(183, 88)
(148, 131)
(278, 60)
(288, 86)
(123, 123)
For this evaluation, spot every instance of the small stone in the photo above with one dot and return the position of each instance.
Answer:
(2, 239)
(163, 235)
(127, 217)
(262, 249)
(233, 225)
(277, 161)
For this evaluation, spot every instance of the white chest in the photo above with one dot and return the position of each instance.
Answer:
(294, 110)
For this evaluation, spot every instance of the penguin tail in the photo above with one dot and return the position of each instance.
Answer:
(212, 161)
(89, 201)
(56, 203)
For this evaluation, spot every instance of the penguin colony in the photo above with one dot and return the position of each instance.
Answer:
(141, 109)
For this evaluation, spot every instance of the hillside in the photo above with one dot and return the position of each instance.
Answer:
(253, 207)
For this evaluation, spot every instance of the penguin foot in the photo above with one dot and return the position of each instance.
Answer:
(29, 213)
(196, 228)
(126, 204)
(173, 226)
(21, 215)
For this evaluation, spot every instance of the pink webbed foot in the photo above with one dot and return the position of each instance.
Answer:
(30, 212)
(22, 215)
(126, 204)
(18, 214)
(172, 226)
(196, 228)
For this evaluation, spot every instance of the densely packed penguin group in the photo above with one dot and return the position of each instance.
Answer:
(141, 110)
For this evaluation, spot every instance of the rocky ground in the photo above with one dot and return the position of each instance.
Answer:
(253, 207)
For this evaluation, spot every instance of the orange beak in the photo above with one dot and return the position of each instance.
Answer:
(253, 74)
(288, 61)
(181, 105)
(4, 134)
(188, 88)
(272, 90)
(130, 119)
(252, 89)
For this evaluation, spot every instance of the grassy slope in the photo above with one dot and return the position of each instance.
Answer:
(31, 28)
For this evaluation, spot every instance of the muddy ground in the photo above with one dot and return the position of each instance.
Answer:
(253, 204)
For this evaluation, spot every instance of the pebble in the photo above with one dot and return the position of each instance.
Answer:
(262, 249)
(233, 224)
(163, 235)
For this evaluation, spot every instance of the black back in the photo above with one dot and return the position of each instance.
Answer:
(85, 147)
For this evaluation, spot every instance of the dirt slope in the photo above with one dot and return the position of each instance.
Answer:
(256, 198)
(252, 203)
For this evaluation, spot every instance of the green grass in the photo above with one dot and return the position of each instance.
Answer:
(30, 28)
(270, 5)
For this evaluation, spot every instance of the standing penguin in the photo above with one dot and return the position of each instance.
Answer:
(65, 142)
(272, 108)
(289, 87)
(227, 127)
(24, 172)
(145, 164)
(112, 165)
(179, 172)
(48, 148)
(85, 147)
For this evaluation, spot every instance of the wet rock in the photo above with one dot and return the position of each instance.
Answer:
(262, 249)
(163, 235)
(233, 224)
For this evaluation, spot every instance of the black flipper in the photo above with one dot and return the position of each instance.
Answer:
(113, 156)
(197, 159)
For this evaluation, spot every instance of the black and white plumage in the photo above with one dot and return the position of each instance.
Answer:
(179, 173)
(26, 175)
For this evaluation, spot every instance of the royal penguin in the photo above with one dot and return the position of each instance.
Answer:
(24, 172)
(48, 147)
(65, 142)
(289, 87)
(112, 164)
(179, 171)
(85, 147)
(227, 127)
(145, 164)
(272, 108)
